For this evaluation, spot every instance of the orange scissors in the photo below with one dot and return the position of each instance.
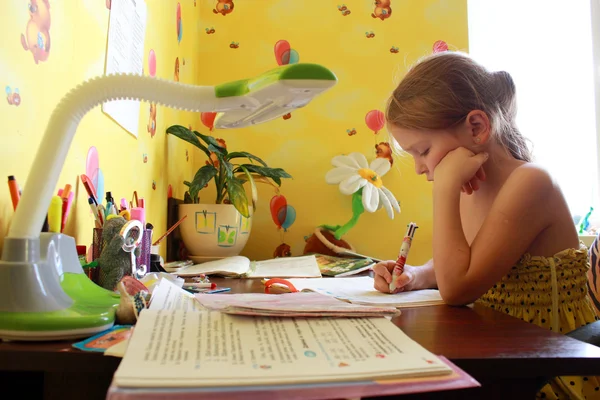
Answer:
(278, 281)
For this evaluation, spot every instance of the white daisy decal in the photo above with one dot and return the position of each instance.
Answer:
(354, 174)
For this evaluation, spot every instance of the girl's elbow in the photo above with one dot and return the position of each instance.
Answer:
(457, 297)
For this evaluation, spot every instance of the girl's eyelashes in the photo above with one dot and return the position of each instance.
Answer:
(423, 154)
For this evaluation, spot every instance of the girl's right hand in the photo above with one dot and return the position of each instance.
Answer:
(383, 277)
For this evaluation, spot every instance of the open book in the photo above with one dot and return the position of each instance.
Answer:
(342, 266)
(175, 348)
(239, 266)
(360, 290)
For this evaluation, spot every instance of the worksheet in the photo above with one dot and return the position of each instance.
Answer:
(176, 348)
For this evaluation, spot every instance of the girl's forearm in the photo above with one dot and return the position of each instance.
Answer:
(450, 247)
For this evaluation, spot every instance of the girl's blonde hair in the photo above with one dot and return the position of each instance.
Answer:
(439, 91)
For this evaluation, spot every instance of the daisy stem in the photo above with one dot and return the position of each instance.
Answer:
(357, 210)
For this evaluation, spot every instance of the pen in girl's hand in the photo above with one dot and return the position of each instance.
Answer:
(399, 267)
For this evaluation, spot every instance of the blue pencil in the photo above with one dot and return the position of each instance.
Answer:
(226, 289)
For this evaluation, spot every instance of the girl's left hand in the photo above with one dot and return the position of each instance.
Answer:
(461, 169)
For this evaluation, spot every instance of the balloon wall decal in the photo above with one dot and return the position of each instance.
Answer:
(152, 63)
(286, 217)
(179, 25)
(278, 202)
(208, 119)
(375, 120)
(440, 46)
(284, 54)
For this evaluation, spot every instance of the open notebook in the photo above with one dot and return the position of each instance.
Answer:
(239, 266)
(360, 290)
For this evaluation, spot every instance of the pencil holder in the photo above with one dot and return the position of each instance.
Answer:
(145, 247)
(97, 245)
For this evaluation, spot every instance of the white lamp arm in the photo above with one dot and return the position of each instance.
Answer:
(54, 146)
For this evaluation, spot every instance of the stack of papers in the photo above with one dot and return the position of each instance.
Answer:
(303, 304)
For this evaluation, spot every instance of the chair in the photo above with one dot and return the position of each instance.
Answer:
(592, 275)
(590, 333)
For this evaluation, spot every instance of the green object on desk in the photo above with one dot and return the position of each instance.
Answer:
(89, 309)
(93, 308)
(80, 287)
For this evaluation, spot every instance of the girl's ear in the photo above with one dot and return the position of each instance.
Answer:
(479, 127)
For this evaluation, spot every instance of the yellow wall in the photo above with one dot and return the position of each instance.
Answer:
(305, 144)
(78, 35)
(302, 145)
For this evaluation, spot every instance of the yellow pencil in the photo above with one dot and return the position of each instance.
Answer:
(55, 214)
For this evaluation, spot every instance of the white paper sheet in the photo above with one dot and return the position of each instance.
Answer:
(125, 54)
(168, 296)
(360, 290)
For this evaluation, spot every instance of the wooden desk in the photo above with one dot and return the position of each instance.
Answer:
(508, 356)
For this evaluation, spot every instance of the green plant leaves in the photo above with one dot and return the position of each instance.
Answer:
(225, 176)
(237, 196)
(202, 177)
(213, 144)
(243, 154)
(252, 186)
(274, 173)
(184, 133)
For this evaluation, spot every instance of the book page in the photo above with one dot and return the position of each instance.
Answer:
(284, 267)
(174, 348)
(360, 290)
(168, 296)
(230, 266)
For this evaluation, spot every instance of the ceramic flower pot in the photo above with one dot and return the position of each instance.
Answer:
(213, 231)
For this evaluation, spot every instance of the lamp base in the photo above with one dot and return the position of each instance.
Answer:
(47, 296)
(53, 321)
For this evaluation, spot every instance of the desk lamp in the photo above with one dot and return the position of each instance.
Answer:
(44, 293)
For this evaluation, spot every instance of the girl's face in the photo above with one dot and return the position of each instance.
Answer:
(428, 147)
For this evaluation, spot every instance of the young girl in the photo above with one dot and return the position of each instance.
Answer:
(503, 235)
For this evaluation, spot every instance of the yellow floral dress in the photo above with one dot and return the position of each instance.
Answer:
(550, 292)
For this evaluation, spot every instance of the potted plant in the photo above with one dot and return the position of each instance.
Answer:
(221, 229)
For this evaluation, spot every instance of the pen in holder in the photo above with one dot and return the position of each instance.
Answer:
(145, 247)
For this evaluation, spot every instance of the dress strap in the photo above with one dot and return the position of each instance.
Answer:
(554, 294)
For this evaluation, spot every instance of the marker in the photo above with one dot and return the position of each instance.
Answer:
(208, 285)
(138, 213)
(406, 243)
(13, 187)
(55, 214)
(95, 212)
(101, 212)
(124, 205)
(65, 192)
